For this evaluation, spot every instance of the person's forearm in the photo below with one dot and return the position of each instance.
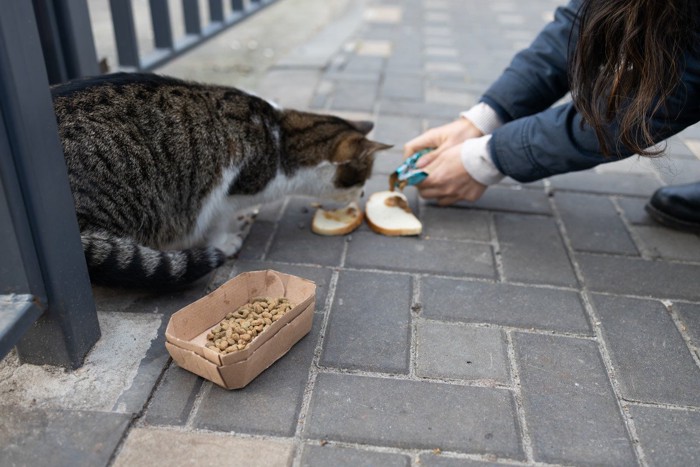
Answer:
(554, 142)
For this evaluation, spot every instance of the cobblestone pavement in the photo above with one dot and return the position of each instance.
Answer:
(551, 323)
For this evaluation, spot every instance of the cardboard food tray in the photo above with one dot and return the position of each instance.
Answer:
(187, 329)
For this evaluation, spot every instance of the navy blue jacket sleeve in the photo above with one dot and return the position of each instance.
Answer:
(537, 76)
(538, 141)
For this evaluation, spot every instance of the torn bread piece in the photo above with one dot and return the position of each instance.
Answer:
(388, 213)
(337, 221)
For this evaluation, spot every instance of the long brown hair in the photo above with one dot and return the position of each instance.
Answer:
(627, 62)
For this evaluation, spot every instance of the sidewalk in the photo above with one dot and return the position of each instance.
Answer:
(551, 323)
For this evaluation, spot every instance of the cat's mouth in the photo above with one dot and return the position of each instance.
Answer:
(349, 195)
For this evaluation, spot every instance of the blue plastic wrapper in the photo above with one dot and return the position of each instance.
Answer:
(407, 173)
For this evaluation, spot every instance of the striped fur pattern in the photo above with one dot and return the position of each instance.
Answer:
(167, 174)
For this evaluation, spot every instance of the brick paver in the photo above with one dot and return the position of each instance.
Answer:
(659, 368)
(166, 447)
(369, 329)
(322, 456)
(607, 235)
(569, 405)
(667, 435)
(503, 304)
(424, 416)
(631, 276)
(58, 437)
(457, 352)
(532, 251)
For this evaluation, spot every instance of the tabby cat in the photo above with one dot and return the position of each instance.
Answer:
(165, 172)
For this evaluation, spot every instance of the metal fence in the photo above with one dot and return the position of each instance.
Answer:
(46, 304)
(167, 46)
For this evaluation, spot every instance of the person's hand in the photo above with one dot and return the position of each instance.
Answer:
(441, 139)
(448, 181)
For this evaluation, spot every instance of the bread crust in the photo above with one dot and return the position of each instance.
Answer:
(391, 232)
(340, 230)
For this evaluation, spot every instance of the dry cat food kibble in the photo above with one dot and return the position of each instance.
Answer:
(240, 327)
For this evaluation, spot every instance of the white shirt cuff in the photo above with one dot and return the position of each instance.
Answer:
(477, 161)
(483, 117)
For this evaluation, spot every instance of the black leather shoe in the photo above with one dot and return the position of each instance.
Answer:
(677, 206)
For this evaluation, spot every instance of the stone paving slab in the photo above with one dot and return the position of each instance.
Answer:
(631, 276)
(62, 438)
(634, 212)
(658, 242)
(427, 415)
(432, 460)
(659, 368)
(533, 252)
(323, 456)
(607, 183)
(593, 224)
(503, 304)
(512, 199)
(455, 224)
(370, 250)
(570, 408)
(294, 241)
(353, 95)
(173, 401)
(168, 447)
(690, 323)
(408, 86)
(665, 435)
(457, 352)
(260, 236)
(369, 326)
(396, 130)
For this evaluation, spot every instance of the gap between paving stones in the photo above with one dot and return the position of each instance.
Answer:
(313, 371)
(683, 330)
(518, 398)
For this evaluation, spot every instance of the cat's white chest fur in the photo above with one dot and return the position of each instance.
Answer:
(224, 220)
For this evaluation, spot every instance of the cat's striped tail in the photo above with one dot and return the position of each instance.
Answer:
(122, 262)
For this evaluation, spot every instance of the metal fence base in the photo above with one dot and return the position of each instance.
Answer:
(44, 257)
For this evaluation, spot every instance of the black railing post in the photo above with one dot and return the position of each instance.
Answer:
(160, 20)
(66, 38)
(125, 33)
(39, 201)
(216, 11)
(237, 6)
(193, 24)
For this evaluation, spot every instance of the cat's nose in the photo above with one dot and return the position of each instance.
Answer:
(362, 193)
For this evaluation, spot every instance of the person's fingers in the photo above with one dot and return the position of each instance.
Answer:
(427, 159)
(423, 141)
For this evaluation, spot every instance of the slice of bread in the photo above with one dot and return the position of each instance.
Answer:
(388, 213)
(338, 221)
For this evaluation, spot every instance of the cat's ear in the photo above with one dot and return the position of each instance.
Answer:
(363, 126)
(373, 146)
(367, 149)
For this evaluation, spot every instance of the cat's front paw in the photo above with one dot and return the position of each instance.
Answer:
(229, 243)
